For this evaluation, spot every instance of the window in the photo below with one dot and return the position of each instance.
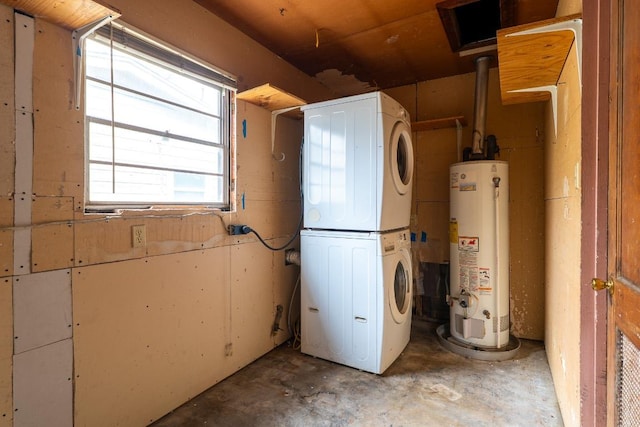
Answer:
(157, 124)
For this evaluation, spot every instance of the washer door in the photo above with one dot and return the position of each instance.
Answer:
(401, 157)
(401, 291)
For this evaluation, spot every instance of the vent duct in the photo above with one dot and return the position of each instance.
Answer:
(480, 109)
(483, 147)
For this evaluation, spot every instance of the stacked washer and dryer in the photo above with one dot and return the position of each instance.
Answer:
(356, 276)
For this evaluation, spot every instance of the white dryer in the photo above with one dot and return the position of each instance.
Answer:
(356, 292)
(358, 164)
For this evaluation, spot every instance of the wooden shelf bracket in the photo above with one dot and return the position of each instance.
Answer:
(532, 57)
(274, 119)
(574, 25)
(553, 92)
(275, 100)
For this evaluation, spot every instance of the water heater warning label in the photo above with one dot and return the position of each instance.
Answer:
(468, 244)
(484, 275)
(469, 278)
(453, 231)
(468, 270)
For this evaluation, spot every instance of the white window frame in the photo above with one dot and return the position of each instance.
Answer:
(148, 48)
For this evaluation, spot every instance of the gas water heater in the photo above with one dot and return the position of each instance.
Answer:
(479, 253)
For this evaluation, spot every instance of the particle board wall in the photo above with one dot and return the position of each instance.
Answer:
(7, 161)
(252, 320)
(520, 130)
(6, 236)
(58, 158)
(563, 228)
(568, 7)
(153, 326)
(149, 334)
(155, 332)
(6, 352)
(7, 103)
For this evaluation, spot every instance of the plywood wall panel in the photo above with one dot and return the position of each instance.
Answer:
(110, 239)
(435, 152)
(261, 173)
(563, 154)
(51, 209)
(289, 135)
(433, 221)
(58, 128)
(252, 302)
(172, 235)
(563, 245)
(569, 96)
(6, 352)
(149, 334)
(51, 247)
(562, 339)
(6, 253)
(568, 7)
(52, 236)
(446, 97)
(562, 176)
(268, 219)
(526, 235)
(6, 236)
(104, 241)
(7, 103)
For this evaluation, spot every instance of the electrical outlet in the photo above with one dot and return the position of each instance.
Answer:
(139, 236)
(235, 229)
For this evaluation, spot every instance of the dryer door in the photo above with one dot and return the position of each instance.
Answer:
(401, 292)
(401, 157)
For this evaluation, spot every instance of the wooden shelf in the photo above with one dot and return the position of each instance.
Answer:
(271, 98)
(70, 14)
(531, 57)
(447, 122)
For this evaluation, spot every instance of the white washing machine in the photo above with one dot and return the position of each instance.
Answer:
(358, 164)
(356, 292)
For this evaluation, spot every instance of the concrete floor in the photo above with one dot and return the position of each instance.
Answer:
(426, 386)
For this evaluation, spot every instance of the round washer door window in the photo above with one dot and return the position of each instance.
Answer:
(401, 157)
(400, 292)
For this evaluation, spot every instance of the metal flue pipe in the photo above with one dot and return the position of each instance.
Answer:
(480, 110)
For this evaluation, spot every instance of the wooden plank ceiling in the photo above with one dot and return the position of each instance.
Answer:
(356, 45)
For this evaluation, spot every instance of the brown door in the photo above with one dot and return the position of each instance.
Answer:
(623, 341)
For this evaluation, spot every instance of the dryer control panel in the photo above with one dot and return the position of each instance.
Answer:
(394, 241)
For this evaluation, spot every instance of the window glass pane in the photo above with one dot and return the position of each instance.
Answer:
(98, 100)
(138, 110)
(101, 142)
(158, 151)
(144, 76)
(153, 186)
(98, 60)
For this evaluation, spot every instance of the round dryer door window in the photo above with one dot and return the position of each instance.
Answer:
(401, 157)
(400, 298)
